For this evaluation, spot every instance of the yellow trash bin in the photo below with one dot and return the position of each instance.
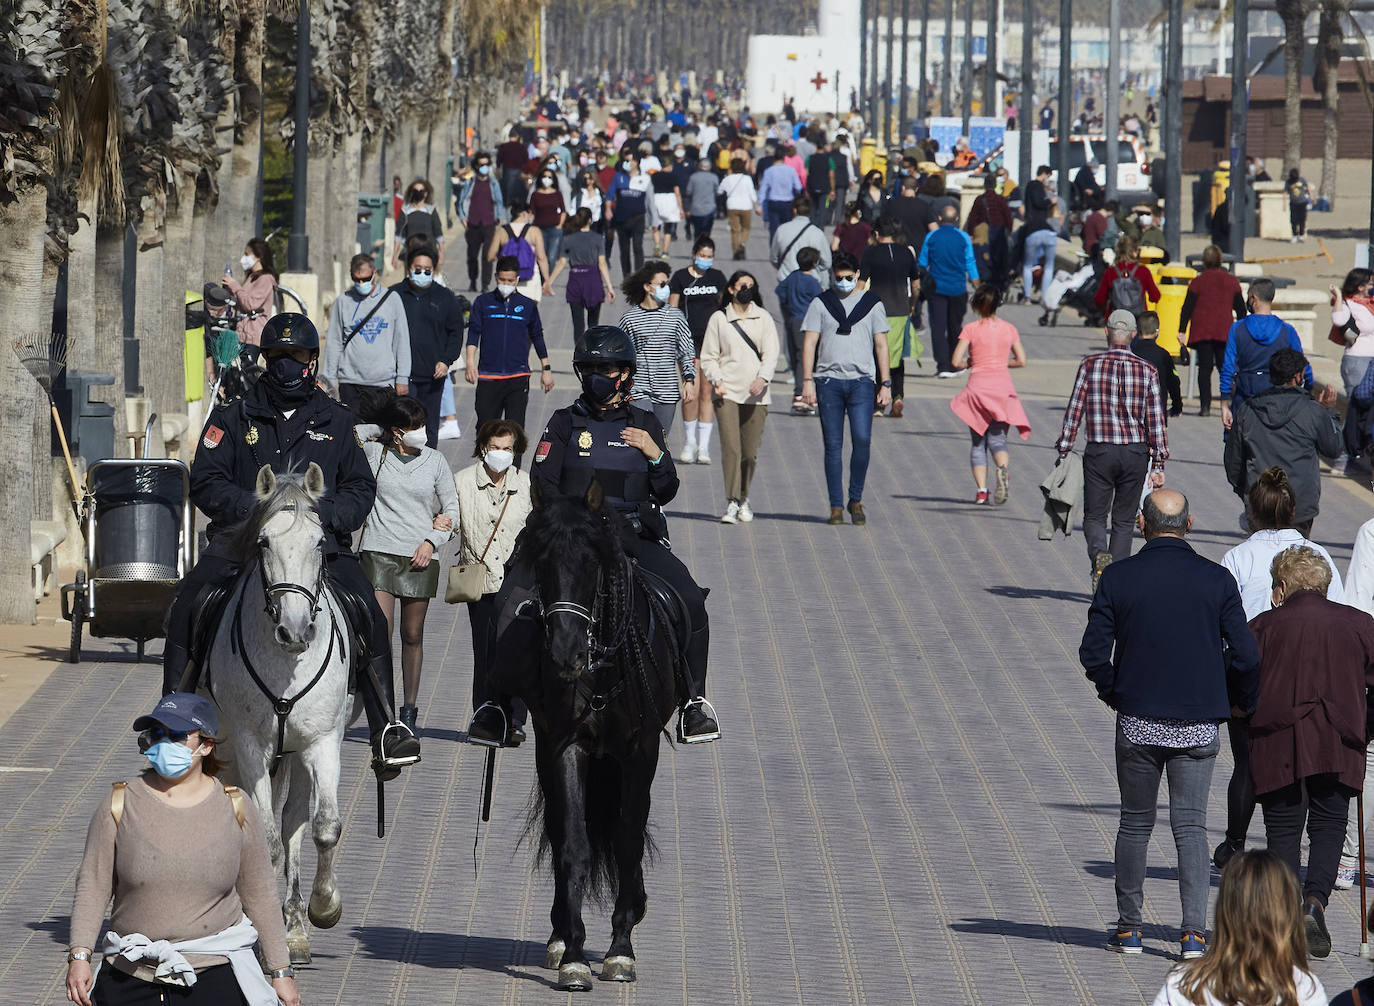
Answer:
(871, 158)
(1173, 288)
(1221, 184)
(194, 352)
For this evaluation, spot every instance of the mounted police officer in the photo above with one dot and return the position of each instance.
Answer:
(286, 421)
(600, 436)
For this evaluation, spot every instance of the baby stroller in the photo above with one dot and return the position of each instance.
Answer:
(1073, 289)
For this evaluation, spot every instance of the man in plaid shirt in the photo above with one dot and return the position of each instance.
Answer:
(1118, 393)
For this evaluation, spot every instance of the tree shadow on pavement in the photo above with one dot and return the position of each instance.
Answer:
(1031, 593)
(456, 951)
(1073, 936)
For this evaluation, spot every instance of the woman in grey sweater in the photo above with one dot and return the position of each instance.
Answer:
(398, 540)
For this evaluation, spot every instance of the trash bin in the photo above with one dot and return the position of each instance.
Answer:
(1173, 283)
(1202, 195)
(138, 522)
(372, 227)
(89, 425)
(1221, 185)
(193, 358)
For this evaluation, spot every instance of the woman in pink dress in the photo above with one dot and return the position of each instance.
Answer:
(988, 403)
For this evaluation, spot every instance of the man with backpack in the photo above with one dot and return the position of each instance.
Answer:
(367, 347)
(524, 242)
(1126, 283)
(1249, 345)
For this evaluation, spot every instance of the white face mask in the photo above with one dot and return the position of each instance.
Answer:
(247, 262)
(504, 289)
(661, 293)
(415, 438)
(1146, 220)
(499, 460)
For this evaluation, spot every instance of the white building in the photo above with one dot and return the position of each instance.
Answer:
(815, 70)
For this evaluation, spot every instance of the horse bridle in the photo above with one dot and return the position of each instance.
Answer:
(272, 591)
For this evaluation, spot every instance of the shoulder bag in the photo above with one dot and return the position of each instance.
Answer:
(348, 336)
(748, 341)
(465, 582)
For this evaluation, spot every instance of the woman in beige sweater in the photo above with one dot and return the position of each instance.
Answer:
(738, 357)
(186, 862)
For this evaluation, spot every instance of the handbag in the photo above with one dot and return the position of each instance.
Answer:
(465, 582)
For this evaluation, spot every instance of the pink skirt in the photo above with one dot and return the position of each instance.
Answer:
(989, 397)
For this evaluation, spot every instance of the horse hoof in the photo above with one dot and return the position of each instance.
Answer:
(618, 969)
(575, 978)
(553, 954)
(327, 913)
(300, 951)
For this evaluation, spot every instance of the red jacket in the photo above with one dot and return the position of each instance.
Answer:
(1115, 272)
(1210, 306)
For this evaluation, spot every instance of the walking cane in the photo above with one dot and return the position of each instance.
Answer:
(1364, 919)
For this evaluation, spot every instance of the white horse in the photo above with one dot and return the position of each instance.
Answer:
(278, 670)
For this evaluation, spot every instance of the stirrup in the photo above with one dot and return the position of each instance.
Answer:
(393, 761)
(505, 727)
(683, 737)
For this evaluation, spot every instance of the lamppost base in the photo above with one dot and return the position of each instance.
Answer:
(298, 252)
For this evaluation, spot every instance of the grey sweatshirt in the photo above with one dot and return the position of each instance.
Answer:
(378, 353)
(407, 491)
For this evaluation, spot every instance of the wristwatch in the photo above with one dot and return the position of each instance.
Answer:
(887, 384)
(78, 955)
(548, 366)
(286, 972)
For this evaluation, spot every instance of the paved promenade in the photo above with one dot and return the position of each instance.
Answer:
(914, 801)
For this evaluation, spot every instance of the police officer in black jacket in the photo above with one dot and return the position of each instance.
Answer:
(285, 421)
(600, 436)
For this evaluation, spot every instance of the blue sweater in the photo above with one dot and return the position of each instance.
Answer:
(503, 330)
(796, 293)
(948, 254)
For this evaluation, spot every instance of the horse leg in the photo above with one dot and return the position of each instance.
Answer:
(636, 783)
(295, 813)
(250, 764)
(322, 763)
(565, 803)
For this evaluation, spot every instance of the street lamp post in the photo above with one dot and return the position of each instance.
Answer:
(1111, 113)
(298, 244)
(1173, 132)
(1239, 101)
(1065, 104)
(902, 104)
(1025, 121)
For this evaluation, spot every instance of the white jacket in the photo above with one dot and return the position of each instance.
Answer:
(1359, 576)
(1249, 564)
(235, 943)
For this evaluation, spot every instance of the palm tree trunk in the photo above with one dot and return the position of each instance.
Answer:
(1293, 13)
(159, 365)
(108, 300)
(21, 274)
(1329, 28)
(81, 327)
(176, 279)
(241, 217)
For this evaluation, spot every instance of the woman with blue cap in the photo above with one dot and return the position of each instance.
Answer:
(187, 915)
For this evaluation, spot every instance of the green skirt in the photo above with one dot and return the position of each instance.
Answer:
(392, 573)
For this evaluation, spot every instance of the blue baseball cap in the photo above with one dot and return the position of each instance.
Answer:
(182, 713)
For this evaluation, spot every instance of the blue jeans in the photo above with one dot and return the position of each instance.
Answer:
(776, 212)
(1039, 250)
(1138, 770)
(834, 399)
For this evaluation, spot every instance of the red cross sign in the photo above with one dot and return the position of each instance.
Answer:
(819, 81)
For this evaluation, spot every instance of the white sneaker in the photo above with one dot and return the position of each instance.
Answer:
(703, 458)
(731, 515)
(448, 430)
(745, 514)
(945, 375)
(688, 455)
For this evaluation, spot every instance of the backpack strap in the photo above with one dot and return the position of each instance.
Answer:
(235, 796)
(117, 800)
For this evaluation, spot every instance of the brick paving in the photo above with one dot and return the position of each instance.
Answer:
(914, 800)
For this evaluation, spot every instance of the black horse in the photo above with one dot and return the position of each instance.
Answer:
(597, 670)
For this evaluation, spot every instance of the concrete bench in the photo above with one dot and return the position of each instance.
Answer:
(174, 427)
(44, 538)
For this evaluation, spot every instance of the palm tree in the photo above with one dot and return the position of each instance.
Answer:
(1293, 14)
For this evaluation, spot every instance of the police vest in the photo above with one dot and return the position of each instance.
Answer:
(595, 450)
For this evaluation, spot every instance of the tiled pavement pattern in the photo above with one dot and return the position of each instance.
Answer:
(914, 800)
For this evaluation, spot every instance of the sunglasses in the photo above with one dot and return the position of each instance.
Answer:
(422, 272)
(161, 733)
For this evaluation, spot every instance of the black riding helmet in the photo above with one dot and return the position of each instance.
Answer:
(604, 344)
(289, 331)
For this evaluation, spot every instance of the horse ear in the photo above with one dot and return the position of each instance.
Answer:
(314, 481)
(536, 494)
(595, 495)
(267, 482)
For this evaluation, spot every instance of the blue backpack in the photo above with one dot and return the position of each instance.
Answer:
(521, 250)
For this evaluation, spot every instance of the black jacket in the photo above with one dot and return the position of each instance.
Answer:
(435, 317)
(1170, 391)
(1282, 427)
(243, 436)
(1153, 643)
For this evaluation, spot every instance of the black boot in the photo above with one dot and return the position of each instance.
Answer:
(394, 746)
(697, 722)
(175, 657)
(409, 714)
(493, 726)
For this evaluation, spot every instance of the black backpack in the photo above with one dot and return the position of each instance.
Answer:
(1127, 294)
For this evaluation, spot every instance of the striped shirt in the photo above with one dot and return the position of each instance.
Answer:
(663, 352)
(1118, 394)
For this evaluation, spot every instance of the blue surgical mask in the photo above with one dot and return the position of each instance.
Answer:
(169, 759)
(661, 293)
(484, 169)
(363, 286)
(845, 285)
(420, 279)
(703, 263)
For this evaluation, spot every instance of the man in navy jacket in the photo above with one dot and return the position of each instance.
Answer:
(1154, 647)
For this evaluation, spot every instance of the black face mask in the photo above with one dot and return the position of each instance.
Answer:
(744, 296)
(601, 388)
(288, 382)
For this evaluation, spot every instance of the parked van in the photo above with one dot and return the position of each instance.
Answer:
(1132, 169)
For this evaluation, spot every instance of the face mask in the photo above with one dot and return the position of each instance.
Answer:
(363, 286)
(661, 293)
(415, 438)
(505, 290)
(417, 197)
(1146, 220)
(169, 759)
(703, 263)
(744, 295)
(247, 262)
(287, 372)
(844, 285)
(546, 183)
(421, 280)
(484, 169)
(582, 160)
(679, 153)
(499, 460)
(601, 388)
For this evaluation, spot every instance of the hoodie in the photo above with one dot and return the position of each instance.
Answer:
(1249, 344)
(1285, 428)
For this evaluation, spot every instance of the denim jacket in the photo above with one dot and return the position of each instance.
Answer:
(497, 200)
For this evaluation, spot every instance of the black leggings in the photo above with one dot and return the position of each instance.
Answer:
(1297, 216)
(1240, 793)
(583, 317)
(1209, 355)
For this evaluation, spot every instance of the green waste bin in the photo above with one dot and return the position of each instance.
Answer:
(372, 211)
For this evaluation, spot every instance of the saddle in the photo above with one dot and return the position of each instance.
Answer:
(359, 620)
(679, 621)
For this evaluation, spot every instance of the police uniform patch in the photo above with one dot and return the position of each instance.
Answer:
(212, 437)
(251, 437)
(542, 451)
(584, 440)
